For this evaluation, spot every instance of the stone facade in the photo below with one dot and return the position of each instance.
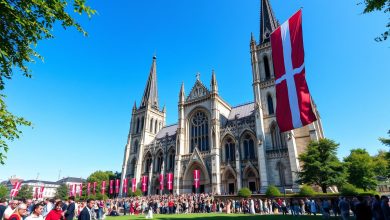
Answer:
(232, 146)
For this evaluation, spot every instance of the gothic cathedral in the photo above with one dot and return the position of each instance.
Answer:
(232, 146)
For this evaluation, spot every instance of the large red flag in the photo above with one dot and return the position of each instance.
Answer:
(124, 190)
(117, 186)
(15, 190)
(111, 186)
(196, 178)
(161, 181)
(293, 102)
(88, 189)
(94, 187)
(103, 187)
(144, 183)
(81, 190)
(36, 196)
(41, 192)
(133, 185)
(170, 181)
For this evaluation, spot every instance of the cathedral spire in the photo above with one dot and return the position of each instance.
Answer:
(268, 22)
(151, 94)
(135, 106)
(214, 84)
(182, 94)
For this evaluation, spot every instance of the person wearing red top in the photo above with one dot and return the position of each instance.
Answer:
(19, 213)
(56, 213)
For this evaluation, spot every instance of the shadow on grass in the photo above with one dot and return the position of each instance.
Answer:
(218, 217)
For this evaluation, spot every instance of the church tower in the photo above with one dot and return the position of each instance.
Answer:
(146, 121)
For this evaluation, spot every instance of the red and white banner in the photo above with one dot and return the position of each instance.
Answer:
(293, 102)
(71, 190)
(103, 187)
(36, 194)
(111, 187)
(41, 192)
(144, 183)
(133, 185)
(197, 179)
(161, 182)
(170, 181)
(15, 190)
(81, 190)
(89, 189)
(117, 186)
(94, 187)
(125, 186)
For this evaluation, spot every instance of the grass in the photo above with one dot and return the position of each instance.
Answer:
(217, 217)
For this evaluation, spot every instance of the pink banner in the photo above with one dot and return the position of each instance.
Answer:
(15, 190)
(36, 196)
(111, 186)
(144, 184)
(197, 179)
(170, 181)
(41, 192)
(124, 186)
(103, 187)
(161, 182)
(88, 189)
(94, 187)
(134, 185)
(81, 190)
(117, 186)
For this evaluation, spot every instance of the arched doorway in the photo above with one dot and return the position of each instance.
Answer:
(229, 182)
(188, 179)
(251, 179)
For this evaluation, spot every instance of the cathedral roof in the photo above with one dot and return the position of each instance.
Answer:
(242, 111)
(167, 130)
(268, 22)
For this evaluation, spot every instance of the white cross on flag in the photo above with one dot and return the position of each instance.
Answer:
(293, 102)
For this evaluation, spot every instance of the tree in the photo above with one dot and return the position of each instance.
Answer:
(3, 191)
(321, 165)
(23, 23)
(25, 192)
(361, 169)
(244, 192)
(99, 177)
(381, 164)
(272, 191)
(378, 5)
(386, 141)
(62, 192)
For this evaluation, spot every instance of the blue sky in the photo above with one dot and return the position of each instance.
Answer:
(80, 98)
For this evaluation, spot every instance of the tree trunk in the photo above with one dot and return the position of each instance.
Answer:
(323, 187)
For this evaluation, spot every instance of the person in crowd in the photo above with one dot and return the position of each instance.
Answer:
(377, 213)
(56, 213)
(86, 213)
(48, 207)
(3, 207)
(344, 208)
(362, 209)
(385, 207)
(114, 212)
(13, 204)
(36, 213)
(70, 210)
(20, 212)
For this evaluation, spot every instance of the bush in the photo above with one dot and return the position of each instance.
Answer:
(138, 192)
(272, 191)
(350, 190)
(244, 192)
(307, 191)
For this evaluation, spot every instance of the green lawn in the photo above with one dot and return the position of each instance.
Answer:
(217, 217)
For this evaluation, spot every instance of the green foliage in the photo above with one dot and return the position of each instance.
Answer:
(137, 192)
(379, 5)
(307, 191)
(62, 192)
(99, 177)
(386, 141)
(244, 192)
(25, 192)
(321, 165)
(350, 190)
(9, 127)
(4, 192)
(361, 169)
(381, 164)
(272, 191)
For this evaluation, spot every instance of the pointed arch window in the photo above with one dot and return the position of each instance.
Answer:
(132, 167)
(171, 160)
(249, 147)
(282, 177)
(199, 132)
(160, 159)
(142, 123)
(135, 146)
(270, 103)
(151, 126)
(148, 162)
(278, 139)
(155, 127)
(230, 150)
(266, 68)
(137, 131)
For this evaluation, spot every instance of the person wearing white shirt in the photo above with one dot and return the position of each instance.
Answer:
(10, 209)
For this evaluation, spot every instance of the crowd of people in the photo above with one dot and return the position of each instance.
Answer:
(365, 208)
